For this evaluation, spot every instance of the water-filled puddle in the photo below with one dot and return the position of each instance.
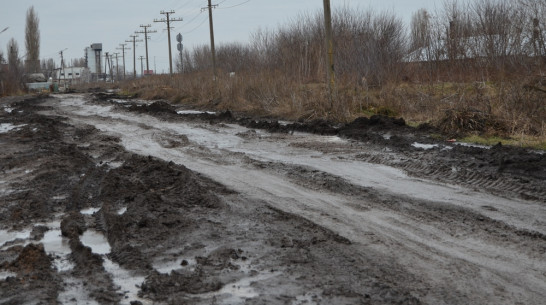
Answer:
(167, 267)
(7, 127)
(239, 291)
(74, 291)
(5, 274)
(194, 112)
(10, 236)
(424, 146)
(57, 246)
(89, 211)
(96, 241)
(126, 280)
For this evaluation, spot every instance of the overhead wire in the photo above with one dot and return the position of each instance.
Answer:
(200, 24)
(162, 35)
(236, 5)
(184, 5)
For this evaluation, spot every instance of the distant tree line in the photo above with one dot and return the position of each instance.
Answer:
(463, 40)
(12, 71)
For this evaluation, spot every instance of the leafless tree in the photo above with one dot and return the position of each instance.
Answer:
(13, 55)
(32, 41)
(14, 75)
(420, 30)
(78, 62)
(48, 67)
(535, 26)
(2, 73)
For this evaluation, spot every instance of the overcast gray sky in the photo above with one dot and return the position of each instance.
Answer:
(75, 24)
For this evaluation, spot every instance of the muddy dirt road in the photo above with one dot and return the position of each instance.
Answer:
(112, 201)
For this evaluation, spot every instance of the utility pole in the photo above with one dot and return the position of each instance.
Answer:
(329, 51)
(134, 52)
(141, 58)
(146, 41)
(62, 66)
(123, 52)
(168, 20)
(117, 66)
(105, 61)
(211, 26)
(109, 62)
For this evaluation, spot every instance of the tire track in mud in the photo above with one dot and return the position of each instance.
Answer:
(454, 222)
(397, 224)
(504, 171)
(425, 165)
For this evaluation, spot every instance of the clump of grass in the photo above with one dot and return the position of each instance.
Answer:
(522, 141)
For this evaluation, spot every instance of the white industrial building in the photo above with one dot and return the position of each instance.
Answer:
(91, 72)
(72, 74)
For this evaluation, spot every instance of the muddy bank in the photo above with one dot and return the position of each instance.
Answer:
(503, 170)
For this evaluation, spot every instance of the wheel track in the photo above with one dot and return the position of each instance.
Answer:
(499, 183)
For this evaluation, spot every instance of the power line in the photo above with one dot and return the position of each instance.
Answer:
(190, 21)
(195, 28)
(183, 5)
(236, 5)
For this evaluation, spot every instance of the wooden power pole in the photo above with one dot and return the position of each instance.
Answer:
(145, 32)
(123, 48)
(141, 58)
(134, 52)
(168, 20)
(211, 26)
(330, 72)
(117, 66)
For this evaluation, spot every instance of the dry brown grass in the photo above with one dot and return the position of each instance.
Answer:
(501, 109)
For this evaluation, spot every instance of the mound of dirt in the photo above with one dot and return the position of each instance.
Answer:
(376, 121)
(32, 260)
(155, 107)
(73, 225)
(35, 277)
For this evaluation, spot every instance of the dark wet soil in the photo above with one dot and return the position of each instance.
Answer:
(56, 169)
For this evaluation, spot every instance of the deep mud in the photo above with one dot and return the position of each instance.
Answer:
(114, 201)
